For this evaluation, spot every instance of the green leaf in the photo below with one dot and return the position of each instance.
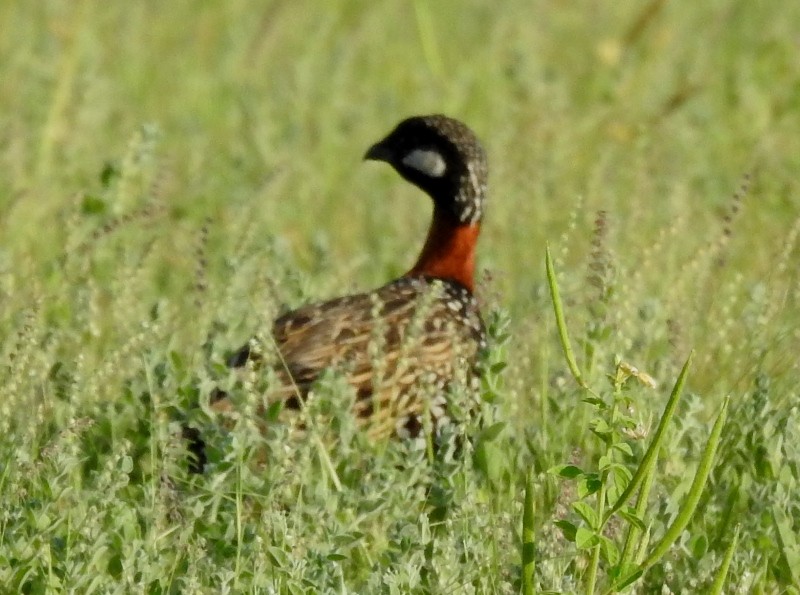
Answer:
(626, 421)
(623, 447)
(698, 545)
(585, 538)
(629, 579)
(609, 551)
(628, 514)
(587, 513)
(278, 557)
(273, 411)
(498, 367)
(602, 430)
(491, 460)
(566, 471)
(492, 432)
(42, 521)
(489, 396)
(589, 484)
(787, 542)
(109, 172)
(617, 480)
(601, 427)
(198, 509)
(93, 205)
(622, 569)
(568, 529)
(596, 401)
(176, 360)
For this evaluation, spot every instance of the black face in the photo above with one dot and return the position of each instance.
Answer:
(442, 157)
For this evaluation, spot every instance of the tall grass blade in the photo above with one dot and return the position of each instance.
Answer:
(695, 491)
(722, 573)
(528, 538)
(632, 539)
(560, 323)
(687, 510)
(787, 542)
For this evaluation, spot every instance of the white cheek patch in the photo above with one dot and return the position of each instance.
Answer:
(427, 161)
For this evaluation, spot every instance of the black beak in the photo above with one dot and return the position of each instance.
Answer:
(378, 152)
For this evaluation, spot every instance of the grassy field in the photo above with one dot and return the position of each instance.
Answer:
(174, 175)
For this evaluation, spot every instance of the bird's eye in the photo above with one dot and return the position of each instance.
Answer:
(427, 161)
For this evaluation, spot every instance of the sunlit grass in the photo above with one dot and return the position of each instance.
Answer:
(175, 176)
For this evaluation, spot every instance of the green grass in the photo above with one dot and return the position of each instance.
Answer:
(176, 174)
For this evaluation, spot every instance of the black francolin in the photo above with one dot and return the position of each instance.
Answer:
(402, 345)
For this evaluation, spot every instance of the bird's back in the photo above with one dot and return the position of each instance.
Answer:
(400, 347)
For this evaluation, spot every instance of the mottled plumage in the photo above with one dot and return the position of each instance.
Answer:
(398, 346)
(401, 345)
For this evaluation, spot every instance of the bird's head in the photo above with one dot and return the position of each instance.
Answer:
(444, 158)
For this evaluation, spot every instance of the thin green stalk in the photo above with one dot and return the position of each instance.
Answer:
(327, 463)
(560, 322)
(239, 526)
(154, 429)
(641, 551)
(787, 541)
(544, 417)
(528, 538)
(641, 509)
(650, 457)
(594, 565)
(722, 573)
(638, 571)
(591, 579)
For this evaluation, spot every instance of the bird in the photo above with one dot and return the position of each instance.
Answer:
(403, 345)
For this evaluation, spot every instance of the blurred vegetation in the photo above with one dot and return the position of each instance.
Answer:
(176, 174)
